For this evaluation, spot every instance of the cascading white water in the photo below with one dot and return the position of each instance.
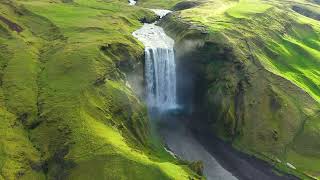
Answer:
(160, 77)
(132, 2)
(160, 67)
(161, 12)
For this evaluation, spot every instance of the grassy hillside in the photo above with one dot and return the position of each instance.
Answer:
(66, 111)
(155, 4)
(291, 37)
(258, 69)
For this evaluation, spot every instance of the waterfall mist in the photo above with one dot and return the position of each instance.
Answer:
(189, 77)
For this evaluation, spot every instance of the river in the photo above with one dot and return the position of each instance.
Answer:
(221, 161)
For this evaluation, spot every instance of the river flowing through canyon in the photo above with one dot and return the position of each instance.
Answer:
(160, 77)
(220, 160)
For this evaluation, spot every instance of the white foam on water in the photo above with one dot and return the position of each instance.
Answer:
(132, 2)
(161, 12)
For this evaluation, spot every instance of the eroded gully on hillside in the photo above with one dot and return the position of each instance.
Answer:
(221, 161)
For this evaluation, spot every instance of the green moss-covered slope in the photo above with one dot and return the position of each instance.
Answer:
(258, 69)
(163, 4)
(65, 109)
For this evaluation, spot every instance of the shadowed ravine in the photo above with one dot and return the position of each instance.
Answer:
(221, 161)
(181, 141)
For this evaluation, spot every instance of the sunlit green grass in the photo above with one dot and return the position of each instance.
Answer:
(286, 44)
(49, 89)
(298, 54)
(245, 8)
(155, 4)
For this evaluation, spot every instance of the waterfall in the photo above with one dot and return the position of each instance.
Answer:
(160, 67)
(132, 2)
(160, 77)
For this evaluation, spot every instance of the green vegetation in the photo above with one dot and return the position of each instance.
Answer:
(261, 65)
(296, 47)
(155, 4)
(67, 113)
(65, 109)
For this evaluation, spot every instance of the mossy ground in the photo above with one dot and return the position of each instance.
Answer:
(164, 4)
(291, 37)
(66, 112)
(260, 60)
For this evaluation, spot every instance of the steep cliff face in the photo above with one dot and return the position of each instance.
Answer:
(66, 109)
(255, 68)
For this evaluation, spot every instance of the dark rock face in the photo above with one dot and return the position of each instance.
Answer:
(67, 1)
(131, 66)
(148, 20)
(119, 52)
(242, 102)
(316, 1)
(186, 5)
(189, 67)
(306, 12)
